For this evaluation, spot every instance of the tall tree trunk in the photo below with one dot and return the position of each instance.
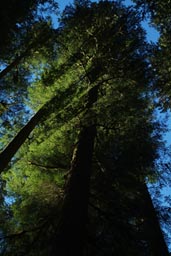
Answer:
(149, 232)
(71, 231)
(153, 231)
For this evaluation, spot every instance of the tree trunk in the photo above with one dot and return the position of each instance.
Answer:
(153, 231)
(71, 231)
(13, 64)
(7, 154)
(15, 144)
(42, 38)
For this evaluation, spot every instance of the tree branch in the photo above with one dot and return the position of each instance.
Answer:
(60, 166)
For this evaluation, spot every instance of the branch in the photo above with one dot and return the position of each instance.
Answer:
(60, 166)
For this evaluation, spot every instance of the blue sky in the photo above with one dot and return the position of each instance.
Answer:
(63, 3)
(152, 34)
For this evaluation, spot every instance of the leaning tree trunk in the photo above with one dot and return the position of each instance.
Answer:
(13, 64)
(42, 38)
(7, 154)
(71, 231)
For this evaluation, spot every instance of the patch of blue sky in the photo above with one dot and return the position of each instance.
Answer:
(9, 200)
(151, 33)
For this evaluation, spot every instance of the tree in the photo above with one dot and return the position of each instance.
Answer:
(159, 13)
(23, 31)
(100, 127)
(17, 18)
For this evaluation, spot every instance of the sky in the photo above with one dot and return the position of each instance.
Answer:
(152, 34)
(63, 3)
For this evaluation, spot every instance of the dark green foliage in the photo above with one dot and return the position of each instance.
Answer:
(17, 17)
(160, 13)
(95, 145)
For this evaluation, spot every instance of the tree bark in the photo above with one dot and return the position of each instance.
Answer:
(71, 231)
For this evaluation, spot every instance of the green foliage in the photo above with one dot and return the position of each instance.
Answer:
(98, 45)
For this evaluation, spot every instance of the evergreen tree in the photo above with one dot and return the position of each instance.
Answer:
(78, 183)
(159, 13)
(29, 33)
(17, 18)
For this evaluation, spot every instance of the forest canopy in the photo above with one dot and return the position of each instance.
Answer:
(83, 161)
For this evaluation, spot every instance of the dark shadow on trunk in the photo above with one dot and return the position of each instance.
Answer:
(71, 230)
